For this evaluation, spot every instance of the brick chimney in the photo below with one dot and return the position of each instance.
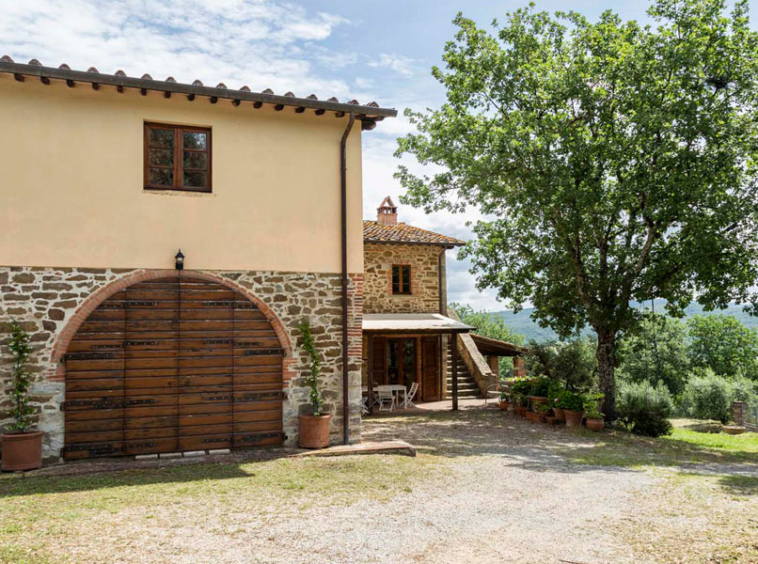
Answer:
(386, 213)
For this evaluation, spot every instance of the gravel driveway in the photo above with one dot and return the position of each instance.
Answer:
(486, 487)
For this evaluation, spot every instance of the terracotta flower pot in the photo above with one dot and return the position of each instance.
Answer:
(537, 400)
(314, 431)
(573, 418)
(595, 424)
(534, 416)
(559, 416)
(22, 451)
(504, 405)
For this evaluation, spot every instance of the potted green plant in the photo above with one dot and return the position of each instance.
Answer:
(540, 391)
(22, 445)
(313, 427)
(554, 394)
(572, 405)
(522, 389)
(595, 421)
(541, 410)
(517, 401)
(505, 401)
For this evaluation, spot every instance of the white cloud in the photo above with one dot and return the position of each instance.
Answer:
(397, 63)
(261, 43)
(365, 83)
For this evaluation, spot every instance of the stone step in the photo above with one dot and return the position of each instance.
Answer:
(463, 395)
(467, 386)
(464, 384)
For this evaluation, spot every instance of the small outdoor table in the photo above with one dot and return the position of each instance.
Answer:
(395, 389)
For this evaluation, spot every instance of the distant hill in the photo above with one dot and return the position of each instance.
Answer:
(522, 322)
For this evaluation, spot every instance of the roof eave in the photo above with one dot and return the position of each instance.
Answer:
(361, 112)
(434, 244)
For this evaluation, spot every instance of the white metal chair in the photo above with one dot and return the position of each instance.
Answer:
(364, 404)
(410, 394)
(385, 397)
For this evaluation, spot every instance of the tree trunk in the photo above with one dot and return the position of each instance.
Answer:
(606, 363)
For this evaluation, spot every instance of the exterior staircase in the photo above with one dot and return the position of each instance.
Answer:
(467, 386)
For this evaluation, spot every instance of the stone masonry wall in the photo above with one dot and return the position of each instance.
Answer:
(425, 290)
(45, 300)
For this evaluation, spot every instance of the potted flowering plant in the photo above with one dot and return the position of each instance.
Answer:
(22, 445)
(314, 427)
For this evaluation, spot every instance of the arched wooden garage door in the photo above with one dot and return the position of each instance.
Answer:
(174, 364)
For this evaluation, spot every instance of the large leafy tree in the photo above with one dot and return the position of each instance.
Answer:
(724, 345)
(613, 161)
(656, 352)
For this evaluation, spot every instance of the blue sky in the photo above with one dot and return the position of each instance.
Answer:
(379, 51)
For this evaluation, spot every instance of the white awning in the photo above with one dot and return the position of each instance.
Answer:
(412, 323)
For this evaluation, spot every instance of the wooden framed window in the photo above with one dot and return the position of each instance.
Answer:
(177, 157)
(401, 279)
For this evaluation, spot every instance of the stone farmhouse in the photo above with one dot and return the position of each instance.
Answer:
(162, 242)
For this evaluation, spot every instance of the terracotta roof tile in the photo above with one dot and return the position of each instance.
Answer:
(369, 114)
(374, 232)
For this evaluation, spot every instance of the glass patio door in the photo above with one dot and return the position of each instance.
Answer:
(401, 362)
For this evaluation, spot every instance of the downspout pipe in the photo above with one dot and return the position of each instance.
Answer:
(345, 339)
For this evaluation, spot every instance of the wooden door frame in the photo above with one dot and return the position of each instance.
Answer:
(418, 339)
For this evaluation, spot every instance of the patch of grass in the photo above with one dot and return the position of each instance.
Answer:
(44, 508)
(745, 443)
(682, 447)
(48, 509)
(11, 554)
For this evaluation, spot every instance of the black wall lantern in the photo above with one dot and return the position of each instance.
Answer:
(179, 264)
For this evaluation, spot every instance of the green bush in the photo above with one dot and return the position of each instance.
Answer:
(655, 351)
(572, 364)
(708, 397)
(541, 387)
(744, 389)
(570, 401)
(644, 409)
(522, 386)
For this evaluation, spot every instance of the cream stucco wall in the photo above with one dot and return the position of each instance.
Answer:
(71, 175)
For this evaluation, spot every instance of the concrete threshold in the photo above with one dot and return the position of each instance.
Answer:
(386, 447)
